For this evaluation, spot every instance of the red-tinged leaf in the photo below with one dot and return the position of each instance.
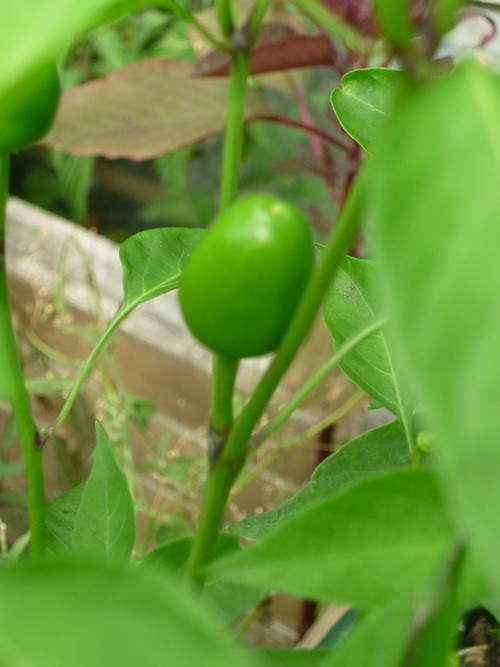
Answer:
(142, 111)
(289, 52)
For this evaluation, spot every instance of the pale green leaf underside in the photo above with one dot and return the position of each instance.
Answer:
(354, 302)
(153, 261)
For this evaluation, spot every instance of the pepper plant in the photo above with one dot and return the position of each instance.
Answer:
(400, 523)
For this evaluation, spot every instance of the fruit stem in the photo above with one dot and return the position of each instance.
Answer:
(224, 372)
(315, 380)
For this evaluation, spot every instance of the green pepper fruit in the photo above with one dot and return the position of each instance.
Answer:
(242, 284)
(28, 109)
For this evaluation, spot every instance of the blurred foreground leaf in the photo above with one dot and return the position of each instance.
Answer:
(436, 237)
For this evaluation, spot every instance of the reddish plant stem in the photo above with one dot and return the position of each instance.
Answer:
(284, 120)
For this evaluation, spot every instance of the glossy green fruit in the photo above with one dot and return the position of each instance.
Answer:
(242, 284)
(27, 110)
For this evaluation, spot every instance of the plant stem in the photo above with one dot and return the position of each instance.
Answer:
(12, 384)
(256, 18)
(233, 456)
(224, 10)
(85, 370)
(341, 143)
(306, 390)
(334, 417)
(285, 444)
(233, 138)
(224, 372)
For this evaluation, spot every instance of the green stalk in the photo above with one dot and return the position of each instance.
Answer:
(334, 417)
(233, 138)
(13, 387)
(314, 381)
(256, 18)
(85, 371)
(224, 372)
(224, 10)
(233, 456)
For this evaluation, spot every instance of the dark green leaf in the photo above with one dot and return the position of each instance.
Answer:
(378, 640)
(438, 244)
(361, 105)
(105, 520)
(70, 613)
(358, 547)
(341, 629)
(153, 260)
(374, 452)
(353, 303)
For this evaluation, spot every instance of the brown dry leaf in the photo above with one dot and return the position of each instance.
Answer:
(144, 110)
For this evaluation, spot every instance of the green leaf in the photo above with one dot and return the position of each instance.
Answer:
(358, 547)
(230, 599)
(32, 32)
(105, 520)
(153, 261)
(374, 452)
(173, 554)
(353, 303)
(290, 657)
(61, 513)
(62, 613)
(438, 244)
(361, 105)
